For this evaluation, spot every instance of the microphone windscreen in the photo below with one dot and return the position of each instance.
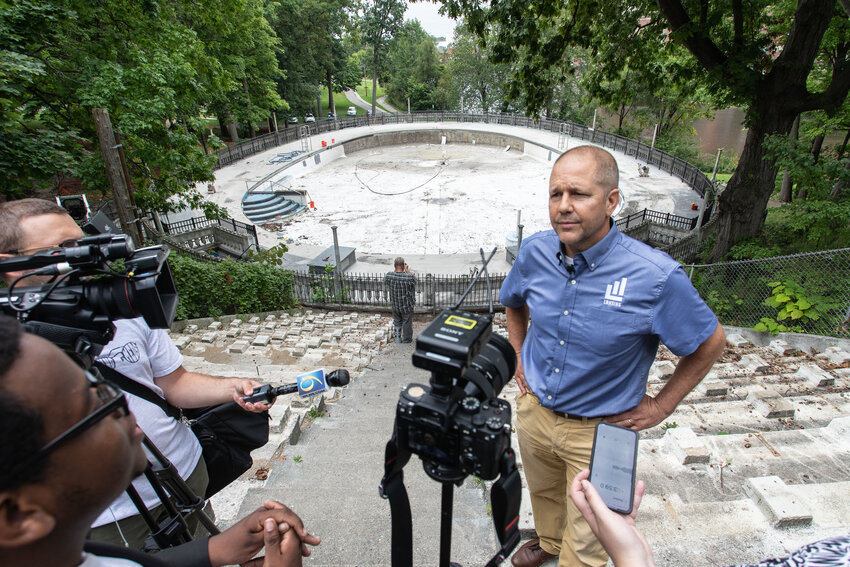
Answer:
(338, 378)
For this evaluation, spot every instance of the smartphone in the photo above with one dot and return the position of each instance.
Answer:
(613, 463)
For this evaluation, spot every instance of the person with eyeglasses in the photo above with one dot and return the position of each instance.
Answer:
(68, 446)
(145, 355)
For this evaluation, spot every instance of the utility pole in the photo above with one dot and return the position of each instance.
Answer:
(114, 172)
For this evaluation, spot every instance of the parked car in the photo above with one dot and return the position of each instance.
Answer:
(331, 116)
(309, 118)
(292, 120)
(368, 112)
(352, 111)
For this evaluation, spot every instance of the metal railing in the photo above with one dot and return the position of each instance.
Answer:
(433, 292)
(196, 223)
(688, 173)
(647, 215)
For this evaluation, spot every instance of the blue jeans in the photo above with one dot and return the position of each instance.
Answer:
(403, 323)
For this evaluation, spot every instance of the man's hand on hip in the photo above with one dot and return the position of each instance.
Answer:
(648, 413)
(519, 376)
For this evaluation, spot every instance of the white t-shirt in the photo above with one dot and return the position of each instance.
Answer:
(142, 353)
(90, 560)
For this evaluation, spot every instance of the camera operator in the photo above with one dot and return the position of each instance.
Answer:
(53, 418)
(143, 354)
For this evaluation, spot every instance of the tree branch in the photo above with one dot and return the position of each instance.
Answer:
(738, 22)
(692, 36)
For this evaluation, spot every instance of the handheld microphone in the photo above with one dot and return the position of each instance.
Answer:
(268, 393)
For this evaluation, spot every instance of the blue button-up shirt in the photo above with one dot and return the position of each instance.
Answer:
(594, 331)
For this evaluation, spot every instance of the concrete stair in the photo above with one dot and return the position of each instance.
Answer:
(262, 207)
(727, 482)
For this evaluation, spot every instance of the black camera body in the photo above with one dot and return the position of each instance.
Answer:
(76, 308)
(455, 439)
(458, 426)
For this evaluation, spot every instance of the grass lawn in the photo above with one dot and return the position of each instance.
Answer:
(721, 177)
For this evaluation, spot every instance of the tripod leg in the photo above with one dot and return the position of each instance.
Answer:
(447, 502)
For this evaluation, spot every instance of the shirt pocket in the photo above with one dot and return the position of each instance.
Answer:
(607, 332)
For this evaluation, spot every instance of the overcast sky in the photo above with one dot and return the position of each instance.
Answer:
(432, 22)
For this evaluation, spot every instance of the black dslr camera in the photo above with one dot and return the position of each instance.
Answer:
(87, 290)
(458, 426)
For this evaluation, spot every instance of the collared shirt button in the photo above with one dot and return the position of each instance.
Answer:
(560, 342)
(548, 397)
(566, 312)
(593, 265)
(573, 282)
(557, 370)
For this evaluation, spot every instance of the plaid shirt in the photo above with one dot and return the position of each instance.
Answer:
(401, 287)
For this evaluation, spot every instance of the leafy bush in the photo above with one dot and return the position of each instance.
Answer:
(229, 287)
(794, 306)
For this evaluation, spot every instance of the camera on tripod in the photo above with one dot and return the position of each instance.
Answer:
(103, 277)
(458, 425)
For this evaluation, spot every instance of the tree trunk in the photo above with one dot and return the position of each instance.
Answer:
(251, 131)
(787, 182)
(318, 102)
(743, 204)
(840, 185)
(331, 103)
(374, 82)
(232, 132)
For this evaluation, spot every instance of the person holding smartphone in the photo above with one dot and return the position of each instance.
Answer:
(628, 547)
(586, 309)
(401, 286)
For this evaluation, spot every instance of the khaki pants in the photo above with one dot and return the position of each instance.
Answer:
(554, 449)
(134, 530)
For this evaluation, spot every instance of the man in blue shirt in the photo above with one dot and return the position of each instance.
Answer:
(598, 303)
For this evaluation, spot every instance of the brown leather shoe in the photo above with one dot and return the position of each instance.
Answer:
(531, 555)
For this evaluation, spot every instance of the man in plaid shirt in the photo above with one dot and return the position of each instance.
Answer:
(401, 285)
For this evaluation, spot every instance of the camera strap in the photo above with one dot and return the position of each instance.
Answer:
(392, 489)
(505, 497)
(140, 390)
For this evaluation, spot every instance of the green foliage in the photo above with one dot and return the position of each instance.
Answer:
(229, 287)
(794, 305)
(315, 413)
(669, 425)
(297, 458)
(324, 289)
(722, 305)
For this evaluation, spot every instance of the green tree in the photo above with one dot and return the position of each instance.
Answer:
(381, 21)
(758, 55)
(413, 68)
(479, 81)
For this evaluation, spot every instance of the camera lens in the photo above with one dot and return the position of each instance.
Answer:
(491, 369)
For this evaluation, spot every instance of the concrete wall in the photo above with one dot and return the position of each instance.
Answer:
(403, 137)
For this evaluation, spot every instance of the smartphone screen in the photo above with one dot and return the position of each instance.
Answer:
(612, 465)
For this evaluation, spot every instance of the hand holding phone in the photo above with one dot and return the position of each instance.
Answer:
(613, 463)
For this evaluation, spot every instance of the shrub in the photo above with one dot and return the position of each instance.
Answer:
(229, 287)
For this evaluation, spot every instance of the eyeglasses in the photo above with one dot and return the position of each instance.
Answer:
(24, 251)
(111, 399)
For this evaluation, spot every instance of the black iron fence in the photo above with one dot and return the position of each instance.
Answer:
(433, 292)
(646, 215)
(196, 223)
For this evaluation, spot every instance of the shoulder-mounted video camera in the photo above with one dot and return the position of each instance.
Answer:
(103, 277)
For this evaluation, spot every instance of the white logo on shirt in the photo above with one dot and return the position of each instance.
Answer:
(614, 293)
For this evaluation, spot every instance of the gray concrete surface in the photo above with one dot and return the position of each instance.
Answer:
(725, 483)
